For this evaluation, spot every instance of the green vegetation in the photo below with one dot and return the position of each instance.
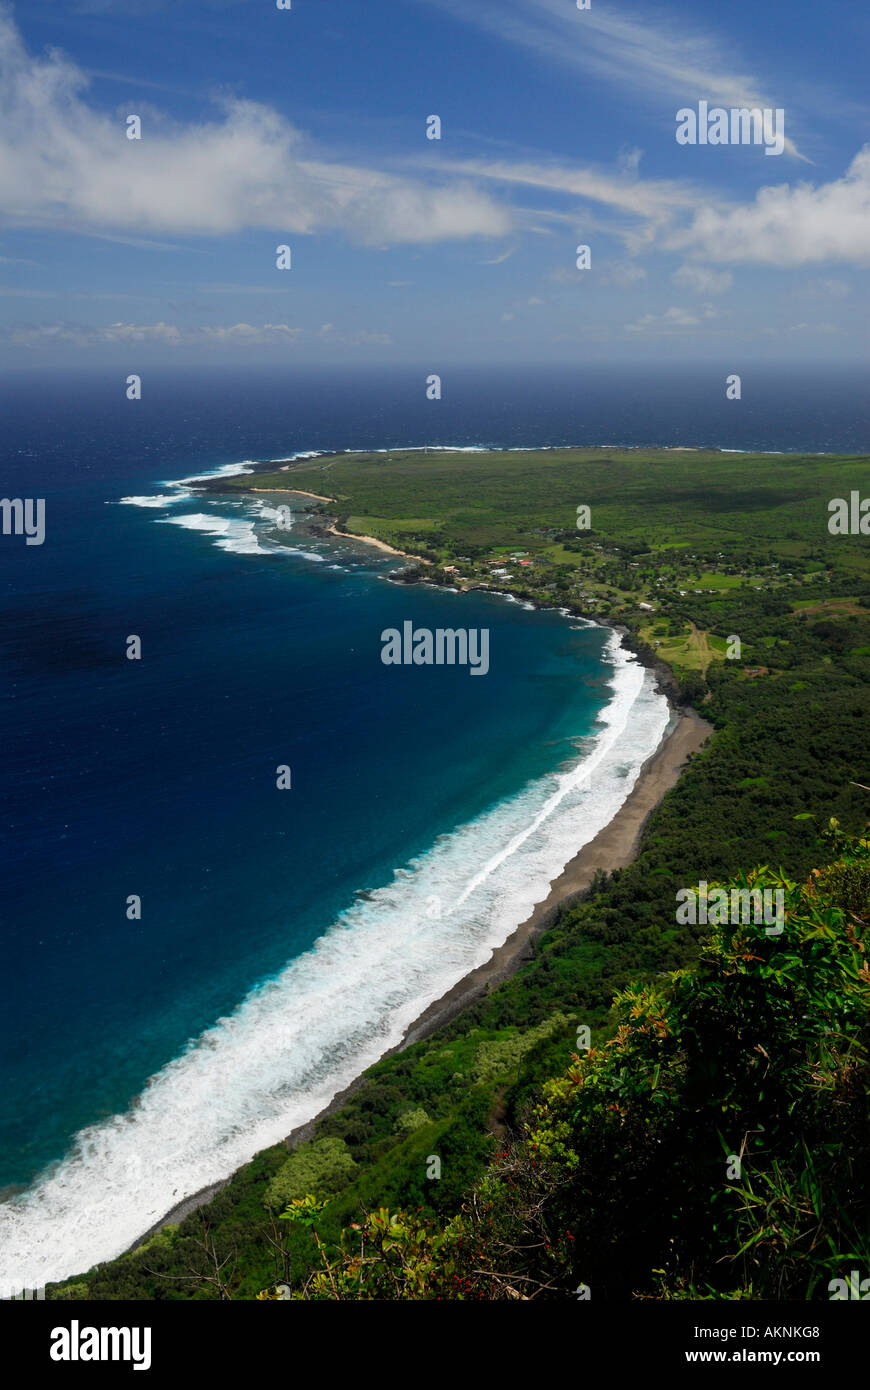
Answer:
(320, 1169)
(715, 1147)
(685, 533)
(791, 739)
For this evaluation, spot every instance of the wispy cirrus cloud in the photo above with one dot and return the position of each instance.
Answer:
(650, 198)
(651, 55)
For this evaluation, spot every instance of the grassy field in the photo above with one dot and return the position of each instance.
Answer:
(666, 497)
(677, 530)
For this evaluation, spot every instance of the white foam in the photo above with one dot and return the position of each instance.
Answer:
(179, 490)
(267, 512)
(276, 548)
(231, 534)
(161, 500)
(301, 1037)
(238, 536)
(225, 470)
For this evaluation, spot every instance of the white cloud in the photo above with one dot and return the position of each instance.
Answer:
(629, 160)
(169, 334)
(786, 225)
(63, 163)
(140, 333)
(671, 321)
(789, 225)
(703, 280)
(247, 334)
(84, 336)
(653, 199)
(642, 211)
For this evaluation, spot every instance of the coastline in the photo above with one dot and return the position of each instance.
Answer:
(300, 491)
(614, 847)
(332, 529)
(373, 540)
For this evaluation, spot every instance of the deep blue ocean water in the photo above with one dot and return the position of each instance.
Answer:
(157, 777)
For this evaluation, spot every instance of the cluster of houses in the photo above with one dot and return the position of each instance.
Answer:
(522, 560)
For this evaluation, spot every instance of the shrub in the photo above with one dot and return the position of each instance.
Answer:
(321, 1168)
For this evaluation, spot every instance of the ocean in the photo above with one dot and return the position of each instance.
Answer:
(287, 937)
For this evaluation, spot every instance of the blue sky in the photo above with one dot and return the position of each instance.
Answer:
(307, 127)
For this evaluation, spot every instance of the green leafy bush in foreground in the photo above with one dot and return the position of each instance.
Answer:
(319, 1169)
(718, 1146)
